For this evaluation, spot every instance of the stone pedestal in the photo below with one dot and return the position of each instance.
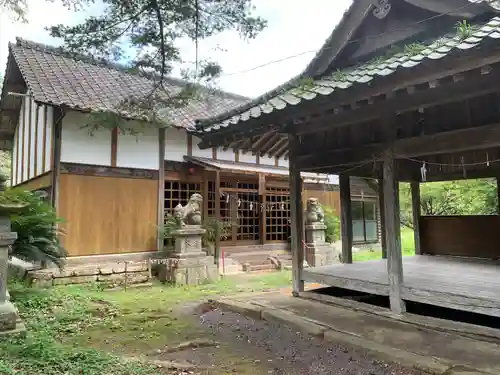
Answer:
(318, 251)
(8, 313)
(189, 264)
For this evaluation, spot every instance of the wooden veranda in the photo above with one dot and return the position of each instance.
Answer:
(429, 112)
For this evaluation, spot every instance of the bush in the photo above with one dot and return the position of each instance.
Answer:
(36, 227)
(332, 222)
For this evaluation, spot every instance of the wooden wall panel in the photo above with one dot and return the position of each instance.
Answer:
(35, 183)
(325, 197)
(467, 236)
(107, 215)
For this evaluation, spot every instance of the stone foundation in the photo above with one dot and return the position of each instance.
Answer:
(318, 252)
(321, 255)
(193, 270)
(111, 274)
(189, 264)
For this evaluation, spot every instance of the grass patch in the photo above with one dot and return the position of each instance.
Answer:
(407, 246)
(84, 329)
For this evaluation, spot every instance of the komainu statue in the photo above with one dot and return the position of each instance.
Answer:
(190, 214)
(314, 212)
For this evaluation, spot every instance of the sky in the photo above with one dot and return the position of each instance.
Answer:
(294, 27)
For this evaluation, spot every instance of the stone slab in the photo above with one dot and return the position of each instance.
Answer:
(391, 340)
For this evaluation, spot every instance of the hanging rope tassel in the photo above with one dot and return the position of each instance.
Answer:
(423, 172)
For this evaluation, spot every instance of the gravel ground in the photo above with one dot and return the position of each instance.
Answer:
(278, 349)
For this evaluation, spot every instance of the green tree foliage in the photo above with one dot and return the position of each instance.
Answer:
(19, 8)
(332, 222)
(467, 197)
(36, 228)
(150, 30)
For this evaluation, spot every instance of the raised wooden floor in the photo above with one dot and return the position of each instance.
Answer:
(462, 284)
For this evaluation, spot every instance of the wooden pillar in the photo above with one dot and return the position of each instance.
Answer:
(206, 196)
(262, 213)
(393, 235)
(415, 207)
(58, 116)
(381, 203)
(296, 217)
(217, 217)
(161, 188)
(345, 218)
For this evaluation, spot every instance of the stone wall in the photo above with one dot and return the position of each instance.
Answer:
(110, 274)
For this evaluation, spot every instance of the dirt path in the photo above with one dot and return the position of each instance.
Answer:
(246, 346)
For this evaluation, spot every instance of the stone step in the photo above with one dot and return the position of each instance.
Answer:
(261, 267)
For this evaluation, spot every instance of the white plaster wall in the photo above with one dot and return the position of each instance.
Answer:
(31, 113)
(248, 157)
(79, 146)
(283, 163)
(266, 160)
(226, 155)
(206, 153)
(138, 151)
(15, 147)
(48, 138)
(26, 146)
(175, 144)
(40, 126)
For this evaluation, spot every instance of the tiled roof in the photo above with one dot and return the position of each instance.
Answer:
(54, 77)
(412, 56)
(495, 4)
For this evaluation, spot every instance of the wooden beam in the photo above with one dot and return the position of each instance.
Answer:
(277, 146)
(281, 151)
(58, 116)
(422, 74)
(473, 85)
(262, 139)
(160, 222)
(297, 232)
(217, 251)
(246, 145)
(190, 145)
(270, 142)
(263, 213)
(346, 218)
(381, 203)
(206, 196)
(415, 206)
(393, 235)
(477, 138)
(114, 146)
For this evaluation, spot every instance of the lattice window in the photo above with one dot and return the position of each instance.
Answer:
(248, 217)
(277, 214)
(211, 198)
(178, 192)
(226, 213)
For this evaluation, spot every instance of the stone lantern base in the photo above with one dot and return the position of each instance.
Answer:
(318, 252)
(189, 264)
(9, 317)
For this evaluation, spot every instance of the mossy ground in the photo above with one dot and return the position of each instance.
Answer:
(87, 330)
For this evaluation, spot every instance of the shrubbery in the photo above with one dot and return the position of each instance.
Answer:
(332, 223)
(36, 228)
